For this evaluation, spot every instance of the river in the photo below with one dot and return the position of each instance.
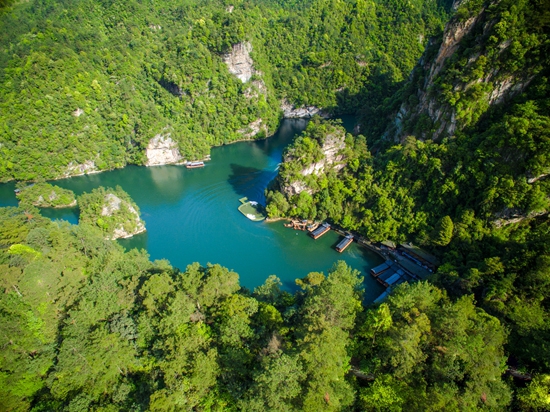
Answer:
(191, 215)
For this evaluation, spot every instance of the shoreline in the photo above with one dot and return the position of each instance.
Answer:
(165, 164)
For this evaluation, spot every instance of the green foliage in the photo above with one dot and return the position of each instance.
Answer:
(444, 232)
(47, 195)
(445, 355)
(91, 83)
(112, 211)
(536, 396)
(85, 325)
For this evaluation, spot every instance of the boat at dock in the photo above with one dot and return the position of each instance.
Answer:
(194, 165)
(251, 209)
(320, 231)
(344, 243)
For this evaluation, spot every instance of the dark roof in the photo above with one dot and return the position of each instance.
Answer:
(420, 253)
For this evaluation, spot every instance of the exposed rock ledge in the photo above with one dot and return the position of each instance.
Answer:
(509, 216)
(111, 206)
(304, 112)
(86, 168)
(162, 150)
(332, 148)
(239, 61)
(253, 129)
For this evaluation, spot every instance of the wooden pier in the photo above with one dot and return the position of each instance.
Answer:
(344, 243)
(320, 231)
(297, 224)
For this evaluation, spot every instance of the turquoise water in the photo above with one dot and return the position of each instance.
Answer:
(191, 215)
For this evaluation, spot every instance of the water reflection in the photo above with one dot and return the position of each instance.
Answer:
(192, 216)
(250, 182)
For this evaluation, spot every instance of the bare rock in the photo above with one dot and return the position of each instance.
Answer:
(78, 112)
(304, 112)
(162, 150)
(74, 169)
(112, 204)
(253, 129)
(239, 61)
(332, 157)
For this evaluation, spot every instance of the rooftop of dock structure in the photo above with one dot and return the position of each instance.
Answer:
(320, 231)
(344, 243)
(421, 255)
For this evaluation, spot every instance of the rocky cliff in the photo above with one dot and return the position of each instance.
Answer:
(132, 225)
(78, 169)
(308, 159)
(239, 62)
(463, 74)
(304, 112)
(112, 211)
(162, 150)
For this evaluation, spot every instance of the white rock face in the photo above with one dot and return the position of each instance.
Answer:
(78, 112)
(88, 167)
(239, 62)
(113, 204)
(253, 129)
(162, 150)
(305, 112)
(332, 149)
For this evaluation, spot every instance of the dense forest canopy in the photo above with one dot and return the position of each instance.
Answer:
(456, 160)
(454, 156)
(94, 81)
(87, 326)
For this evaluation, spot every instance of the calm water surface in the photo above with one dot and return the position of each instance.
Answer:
(191, 215)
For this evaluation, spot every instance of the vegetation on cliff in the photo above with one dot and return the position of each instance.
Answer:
(461, 167)
(46, 195)
(91, 83)
(112, 211)
(455, 158)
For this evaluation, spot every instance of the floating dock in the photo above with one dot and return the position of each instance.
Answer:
(381, 268)
(252, 210)
(194, 165)
(344, 243)
(383, 296)
(320, 231)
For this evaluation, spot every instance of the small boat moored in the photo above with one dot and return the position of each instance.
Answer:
(193, 165)
(320, 231)
(344, 243)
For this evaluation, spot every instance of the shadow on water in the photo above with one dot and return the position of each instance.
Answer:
(7, 195)
(290, 286)
(70, 215)
(274, 146)
(250, 182)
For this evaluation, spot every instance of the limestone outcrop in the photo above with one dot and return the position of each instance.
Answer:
(253, 129)
(304, 112)
(162, 150)
(239, 62)
(112, 206)
(454, 108)
(330, 156)
(78, 169)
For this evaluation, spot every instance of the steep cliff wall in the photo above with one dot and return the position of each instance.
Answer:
(310, 158)
(483, 59)
(162, 150)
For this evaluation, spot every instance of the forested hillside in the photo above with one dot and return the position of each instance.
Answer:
(86, 85)
(85, 326)
(454, 155)
(457, 160)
